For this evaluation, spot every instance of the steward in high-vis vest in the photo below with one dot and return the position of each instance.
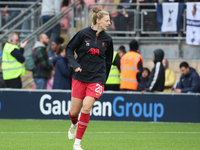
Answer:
(114, 75)
(131, 65)
(113, 81)
(12, 62)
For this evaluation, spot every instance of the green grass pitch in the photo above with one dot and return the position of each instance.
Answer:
(100, 135)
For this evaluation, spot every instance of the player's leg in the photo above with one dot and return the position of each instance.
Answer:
(78, 94)
(93, 92)
(76, 104)
(84, 120)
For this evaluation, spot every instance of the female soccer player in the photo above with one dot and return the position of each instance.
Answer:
(94, 48)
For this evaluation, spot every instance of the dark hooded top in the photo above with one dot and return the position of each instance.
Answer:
(157, 76)
(62, 78)
(143, 84)
(189, 82)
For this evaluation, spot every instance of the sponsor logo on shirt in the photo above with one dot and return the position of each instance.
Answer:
(93, 51)
(87, 42)
(103, 44)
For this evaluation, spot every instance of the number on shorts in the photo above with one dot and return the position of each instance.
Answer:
(99, 88)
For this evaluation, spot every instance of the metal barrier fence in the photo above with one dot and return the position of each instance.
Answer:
(20, 18)
(30, 21)
(41, 28)
(141, 24)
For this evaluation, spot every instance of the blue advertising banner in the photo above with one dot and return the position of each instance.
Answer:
(116, 106)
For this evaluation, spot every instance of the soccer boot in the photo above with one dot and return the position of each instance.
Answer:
(72, 131)
(77, 147)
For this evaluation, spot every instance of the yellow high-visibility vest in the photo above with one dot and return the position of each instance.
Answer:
(114, 75)
(11, 68)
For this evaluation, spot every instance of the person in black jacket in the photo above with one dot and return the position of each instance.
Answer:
(55, 48)
(157, 76)
(2, 82)
(189, 80)
(62, 78)
(179, 1)
(94, 48)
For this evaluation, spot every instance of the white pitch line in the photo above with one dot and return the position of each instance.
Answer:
(151, 132)
(101, 132)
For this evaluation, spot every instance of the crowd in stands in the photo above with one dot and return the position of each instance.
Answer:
(10, 13)
(53, 71)
(133, 76)
(127, 73)
(121, 20)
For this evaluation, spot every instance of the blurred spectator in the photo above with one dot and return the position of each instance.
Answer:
(2, 82)
(55, 47)
(121, 51)
(106, 6)
(131, 65)
(65, 3)
(88, 2)
(192, 1)
(113, 81)
(2, 5)
(51, 8)
(10, 14)
(62, 77)
(189, 80)
(50, 81)
(179, 1)
(42, 71)
(147, 1)
(124, 19)
(149, 23)
(169, 77)
(144, 79)
(26, 24)
(64, 22)
(157, 76)
(12, 61)
(3, 12)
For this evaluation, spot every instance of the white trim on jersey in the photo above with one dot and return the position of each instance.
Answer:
(157, 70)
